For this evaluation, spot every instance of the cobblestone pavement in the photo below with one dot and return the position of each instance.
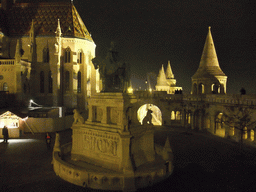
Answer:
(202, 162)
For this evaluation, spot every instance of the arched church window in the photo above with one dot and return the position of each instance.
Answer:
(41, 82)
(79, 82)
(79, 56)
(201, 88)
(245, 133)
(46, 57)
(67, 79)
(178, 115)
(252, 135)
(215, 88)
(67, 55)
(172, 115)
(50, 82)
(5, 87)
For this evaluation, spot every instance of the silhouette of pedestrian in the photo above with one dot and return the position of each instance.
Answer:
(48, 139)
(5, 134)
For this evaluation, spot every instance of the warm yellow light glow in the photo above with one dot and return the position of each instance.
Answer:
(150, 90)
(156, 115)
(130, 90)
(252, 135)
(9, 119)
(245, 135)
(232, 131)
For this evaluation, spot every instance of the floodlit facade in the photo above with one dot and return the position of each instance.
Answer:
(209, 78)
(46, 53)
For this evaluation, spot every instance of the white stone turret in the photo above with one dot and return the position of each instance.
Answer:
(209, 78)
(162, 84)
(166, 82)
(170, 76)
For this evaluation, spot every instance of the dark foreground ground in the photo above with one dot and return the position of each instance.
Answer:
(202, 163)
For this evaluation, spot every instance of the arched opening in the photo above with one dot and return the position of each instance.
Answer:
(5, 87)
(155, 115)
(67, 55)
(252, 135)
(215, 88)
(79, 82)
(46, 57)
(245, 133)
(201, 88)
(173, 115)
(219, 129)
(194, 88)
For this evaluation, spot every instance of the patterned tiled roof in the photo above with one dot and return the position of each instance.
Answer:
(45, 17)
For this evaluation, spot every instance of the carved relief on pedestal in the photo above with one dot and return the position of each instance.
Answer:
(100, 142)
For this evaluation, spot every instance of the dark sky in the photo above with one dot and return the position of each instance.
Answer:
(151, 32)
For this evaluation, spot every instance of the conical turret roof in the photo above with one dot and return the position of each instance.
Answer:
(209, 64)
(169, 73)
(161, 79)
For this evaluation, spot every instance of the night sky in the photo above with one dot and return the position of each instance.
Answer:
(149, 33)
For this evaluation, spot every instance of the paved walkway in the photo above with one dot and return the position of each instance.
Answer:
(202, 162)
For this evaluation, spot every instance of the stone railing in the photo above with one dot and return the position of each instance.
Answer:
(7, 61)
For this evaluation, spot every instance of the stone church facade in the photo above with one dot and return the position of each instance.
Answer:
(46, 53)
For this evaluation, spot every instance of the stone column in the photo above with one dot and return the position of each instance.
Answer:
(200, 120)
(192, 120)
(184, 120)
(212, 124)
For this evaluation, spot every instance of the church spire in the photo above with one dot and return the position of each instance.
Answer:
(209, 64)
(169, 73)
(209, 56)
(209, 78)
(161, 79)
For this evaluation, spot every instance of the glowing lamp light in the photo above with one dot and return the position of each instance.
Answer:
(130, 90)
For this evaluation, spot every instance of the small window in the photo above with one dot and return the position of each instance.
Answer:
(50, 82)
(46, 55)
(80, 57)
(67, 55)
(79, 82)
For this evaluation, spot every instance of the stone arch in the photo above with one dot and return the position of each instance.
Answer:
(194, 88)
(156, 114)
(201, 88)
(215, 88)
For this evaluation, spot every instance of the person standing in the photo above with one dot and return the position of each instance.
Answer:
(48, 139)
(5, 134)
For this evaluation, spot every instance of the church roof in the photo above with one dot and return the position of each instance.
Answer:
(209, 64)
(169, 73)
(45, 17)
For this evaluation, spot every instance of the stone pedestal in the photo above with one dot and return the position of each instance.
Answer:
(109, 151)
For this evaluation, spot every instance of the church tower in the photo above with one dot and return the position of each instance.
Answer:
(209, 78)
(170, 76)
(166, 81)
(162, 84)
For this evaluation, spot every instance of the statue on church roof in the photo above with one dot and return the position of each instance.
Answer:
(114, 73)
